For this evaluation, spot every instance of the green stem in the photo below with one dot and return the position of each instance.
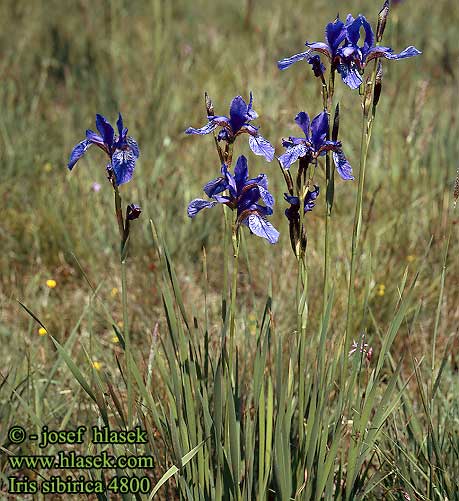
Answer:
(127, 342)
(367, 127)
(329, 191)
(236, 244)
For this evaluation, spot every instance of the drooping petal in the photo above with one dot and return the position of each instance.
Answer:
(105, 130)
(319, 129)
(123, 164)
(262, 228)
(350, 75)
(78, 151)
(283, 64)
(319, 47)
(132, 143)
(408, 52)
(342, 165)
(266, 196)
(238, 113)
(218, 185)
(241, 172)
(205, 129)
(304, 122)
(197, 205)
(262, 147)
(335, 33)
(292, 155)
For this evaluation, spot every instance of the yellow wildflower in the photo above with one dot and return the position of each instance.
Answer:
(97, 365)
(114, 292)
(42, 331)
(115, 339)
(51, 283)
(381, 290)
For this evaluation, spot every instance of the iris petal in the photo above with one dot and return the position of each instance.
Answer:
(105, 130)
(262, 147)
(292, 154)
(262, 228)
(205, 129)
(304, 122)
(197, 205)
(342, 165)
(123, 164)
(78, 151)
(283, 64)
(350, 75)
(241, 172)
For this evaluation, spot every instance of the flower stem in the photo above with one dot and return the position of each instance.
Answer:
(236, 239)
(330, 189)
(367, 127)
(127, 341)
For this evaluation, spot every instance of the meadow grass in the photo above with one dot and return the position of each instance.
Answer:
(389, 429)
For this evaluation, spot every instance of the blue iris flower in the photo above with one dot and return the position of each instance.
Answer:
(353, 58)
(293, 212)
(238, 122)
(121, 149)
(342, 49)
(314, 144)
(243, 195)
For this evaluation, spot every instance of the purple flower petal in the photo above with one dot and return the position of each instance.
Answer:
(369, 35)
(304, 122)
(238, 113)
(350, 75)
(319, 129)
(292, 154)
(262, 228)
(119, 124)
(335, 34)
(241, 172)
(408, 52)
(283, 64)
(320, 47)
(197, 205)
(205, 129)
(95, 139)
(266, 196)
(78, 151)
(215, 186)
(262, 147)
(342, 165)
(123, 164)
(231, 182)
(132, 143)
(105, 130)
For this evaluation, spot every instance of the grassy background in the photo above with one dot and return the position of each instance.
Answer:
(64, 61)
